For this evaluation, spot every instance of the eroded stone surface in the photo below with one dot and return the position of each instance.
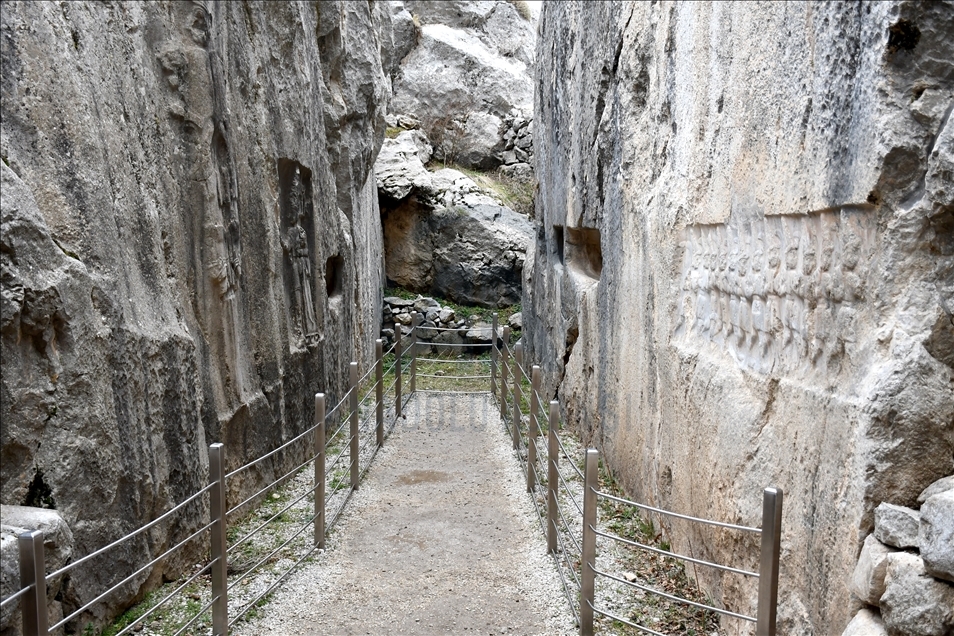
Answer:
(742, 273)
(896, 526)
(866, 623)
(867, 581)
(915, 603)
(466, 70)
(190, 244)
(472, 255)
(936, 536)
(57, 547)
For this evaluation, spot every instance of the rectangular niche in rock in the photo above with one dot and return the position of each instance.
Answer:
(584, 253)
(298, 247)
(334, 276)
(558, 242)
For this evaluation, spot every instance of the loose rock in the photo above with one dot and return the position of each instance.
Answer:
(896, 526)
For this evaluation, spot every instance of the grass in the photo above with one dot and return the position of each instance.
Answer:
(653, 570)
(515, 194)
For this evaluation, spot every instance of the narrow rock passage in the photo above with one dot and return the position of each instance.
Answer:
(439, 539)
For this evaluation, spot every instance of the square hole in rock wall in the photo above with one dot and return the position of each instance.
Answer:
(557, 247)
(584, 253)
(334, 276)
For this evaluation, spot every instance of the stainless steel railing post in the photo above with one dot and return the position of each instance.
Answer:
(379, 389)
(397, 370)
(534, 430)
(517, 375)
(219, 542)
(769, 560)
(355, 442)
(493, 357)
(553, 457)
(588, 557)
(320, 470)
(33, 572)
(415, 324)
(504, 350)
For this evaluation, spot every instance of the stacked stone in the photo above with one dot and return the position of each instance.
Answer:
(435, 318)
(906, 568)
(517, 156)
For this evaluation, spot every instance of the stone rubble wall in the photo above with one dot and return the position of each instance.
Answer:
(743, 270)
(191, 246)
(440, 324)
(905, 570)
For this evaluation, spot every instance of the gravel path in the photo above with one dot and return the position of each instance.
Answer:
(439, 539)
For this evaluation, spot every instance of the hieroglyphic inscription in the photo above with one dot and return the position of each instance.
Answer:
(781, 292)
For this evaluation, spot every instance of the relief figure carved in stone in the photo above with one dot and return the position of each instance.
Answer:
(295, 244)
(778, 293)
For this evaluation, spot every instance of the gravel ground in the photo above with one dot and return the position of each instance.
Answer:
(439, 539)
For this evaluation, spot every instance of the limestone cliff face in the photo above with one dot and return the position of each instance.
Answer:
(744, 274)
(191, 244)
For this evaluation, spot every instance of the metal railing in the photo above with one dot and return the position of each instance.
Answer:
(565, 502)
(372, 425)
(572, 528)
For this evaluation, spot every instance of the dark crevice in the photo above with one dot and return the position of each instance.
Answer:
(903, 35)
(39, 495)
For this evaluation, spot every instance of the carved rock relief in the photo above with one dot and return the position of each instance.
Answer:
(211, 195)
(298, 238)
(779, 293)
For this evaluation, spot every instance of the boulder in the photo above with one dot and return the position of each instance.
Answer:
(400, 165)
(446, 316)
(448, 338)
(468, 69)
(516, 321)
(867, 580)
(896, 526)
(58, 549)
(470, 255)
(403, 32)
(915, 603)
(943, 484)
(422, 305)
(936, 535)
(866, 622)
(396, 302)
(518, 171)
(481, 333)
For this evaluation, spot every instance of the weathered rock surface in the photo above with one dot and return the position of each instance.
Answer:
(896, 526)
(470, 255)
(57, 546)
(191, 245)
(915, 603)
(468, 67)
(867, 581)
(743, 270)
(941, 485)
(866, 623)
(936, 536)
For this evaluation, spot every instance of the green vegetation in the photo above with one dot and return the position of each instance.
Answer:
(513, 193)
(660, 572)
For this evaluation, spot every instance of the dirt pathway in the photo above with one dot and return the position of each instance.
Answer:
(440, 539)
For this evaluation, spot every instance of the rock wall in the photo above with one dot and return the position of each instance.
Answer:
(744, 267)
(191, 246)
(464, 69)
